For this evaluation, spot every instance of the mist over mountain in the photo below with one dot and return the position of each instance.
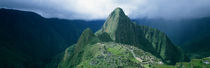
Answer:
(179, 31)
(99, 9)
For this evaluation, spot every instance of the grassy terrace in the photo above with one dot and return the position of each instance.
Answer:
(194, 63)
(113, 55)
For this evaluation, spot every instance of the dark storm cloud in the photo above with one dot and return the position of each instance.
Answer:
(99, 9)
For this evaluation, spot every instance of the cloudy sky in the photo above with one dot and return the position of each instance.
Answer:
(100, 9)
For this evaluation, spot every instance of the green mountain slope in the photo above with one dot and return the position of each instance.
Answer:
(28, 34)
(122, 30)
(91, 52)
(87, 37)
(35, 39)
(109, 55)
(198, 48)
(163, 46)
(121, 43)
(190, 34)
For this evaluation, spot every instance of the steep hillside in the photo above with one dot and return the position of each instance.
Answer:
(36, 39)
(28, 33)
(121, 43)
(74, 58)
(109, 55)
(198, 48)
(180, 31)
(122, 30)
(190, 34)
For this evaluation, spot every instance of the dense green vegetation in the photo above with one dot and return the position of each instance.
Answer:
(194, 63)
(76, 55)
(190, 34)
(198, 48)
(122, 30)
(28, 40)
(121, 43)
(113, 55)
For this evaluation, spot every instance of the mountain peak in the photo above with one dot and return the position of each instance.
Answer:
(86, 36)
(118, 32)
(115, 21)
(118, 8)
(118, 11)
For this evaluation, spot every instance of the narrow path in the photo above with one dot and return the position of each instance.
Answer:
(134, 55)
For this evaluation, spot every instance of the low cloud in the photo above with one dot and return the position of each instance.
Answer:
(100, 9)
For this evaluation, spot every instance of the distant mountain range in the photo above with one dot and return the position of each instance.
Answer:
(180, 31)
(191, 34)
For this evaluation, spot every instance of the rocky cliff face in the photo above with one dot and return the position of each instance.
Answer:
(162, 45)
